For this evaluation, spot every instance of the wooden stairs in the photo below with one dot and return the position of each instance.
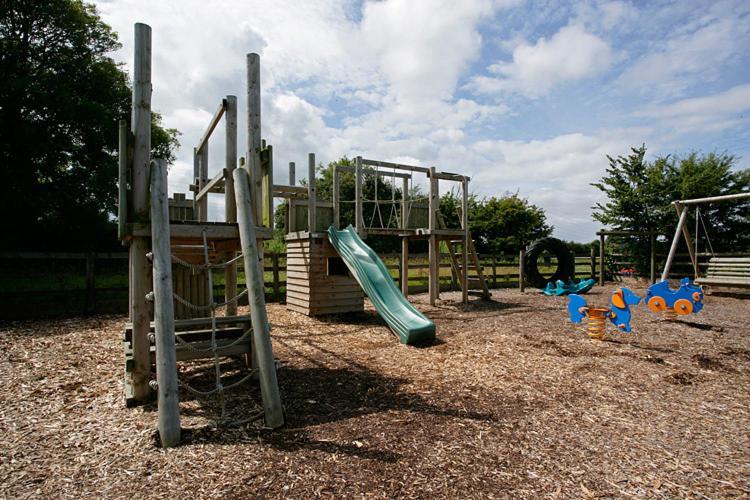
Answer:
(476, 282)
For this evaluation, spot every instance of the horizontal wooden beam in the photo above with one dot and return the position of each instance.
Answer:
(187, 231)
(713, 199)
(212, 125)
(385, 164)
(281, 191)
(213, 185)
(347, 168)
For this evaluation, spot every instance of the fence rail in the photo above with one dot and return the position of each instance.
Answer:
(34, 284)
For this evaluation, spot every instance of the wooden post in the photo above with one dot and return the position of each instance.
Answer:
(602, 269)
(139, 265)
(269, 387)
(89, 305)
(202, 180)
(405, 203)
(521, 283)
(675, 241)
(467, 235)
(291, 216)
(254, 133)
(652, 274)
(122, 183)
(267, 187)
(275, 271)
(196, 181)
(358, 220)
(593, 263)
(166, 358)
(335, 198)
(230, 204)
(434, 250)
(494, 271)
(312, 223)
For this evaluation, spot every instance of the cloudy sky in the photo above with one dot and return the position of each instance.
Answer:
(523, 96)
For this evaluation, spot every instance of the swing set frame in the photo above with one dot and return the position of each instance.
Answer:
(681, 206)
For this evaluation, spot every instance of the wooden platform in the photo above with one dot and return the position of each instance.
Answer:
(317, 280)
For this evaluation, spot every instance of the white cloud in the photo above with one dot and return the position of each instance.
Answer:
(692, 55)
(711, 113)
(553, 173)
(570, 54)
(421, 51)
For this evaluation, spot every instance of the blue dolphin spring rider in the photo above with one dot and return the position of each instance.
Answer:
(618, 312)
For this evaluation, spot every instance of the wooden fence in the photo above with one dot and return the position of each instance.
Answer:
(34, 284)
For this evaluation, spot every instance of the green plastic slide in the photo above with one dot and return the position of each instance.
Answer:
(409, 324)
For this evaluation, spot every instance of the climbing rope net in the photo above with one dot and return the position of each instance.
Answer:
(394, 215)
(219, 389)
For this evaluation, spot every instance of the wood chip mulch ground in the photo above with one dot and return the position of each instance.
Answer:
(512, 401)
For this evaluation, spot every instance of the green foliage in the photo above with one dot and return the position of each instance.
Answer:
(639, 195)
(60, 102)
(506, 224)
(498, 224)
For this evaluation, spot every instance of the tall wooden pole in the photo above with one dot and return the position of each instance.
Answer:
(254, 133)
(521, 271)
(139, 265)
(202, 181)
(601, 259)
(122, 182)
(467, 235)
(405, 238)
(230, 204)
(269, 387)
(335, 198)
(166, 359)
(358, 219)
(291, 216)
(434, 250)
(312, 195)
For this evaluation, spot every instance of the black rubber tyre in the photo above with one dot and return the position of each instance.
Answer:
(565, 262)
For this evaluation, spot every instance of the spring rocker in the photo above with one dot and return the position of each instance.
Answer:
(618, 312)
(560, 287)
(683, 301)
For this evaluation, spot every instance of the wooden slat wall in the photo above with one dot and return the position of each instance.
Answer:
(309, 288)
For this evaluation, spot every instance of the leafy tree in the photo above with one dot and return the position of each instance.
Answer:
(506, 224)
(60, 101)
(639, 195)
(498, 225)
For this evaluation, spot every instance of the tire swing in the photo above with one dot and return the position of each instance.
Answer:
(565, 262)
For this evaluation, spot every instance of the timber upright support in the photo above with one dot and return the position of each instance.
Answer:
(139, 267)
(262, 348)
(164, 326)
(433, 284)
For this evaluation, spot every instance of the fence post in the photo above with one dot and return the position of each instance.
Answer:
(275, 264)
(601, 260)
(494, 271)
(652, 259)
(89, 305)
(521, 255)
(593, 263)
